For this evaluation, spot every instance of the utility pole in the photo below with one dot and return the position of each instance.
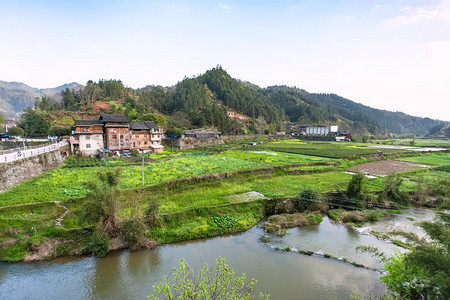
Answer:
(142, 169)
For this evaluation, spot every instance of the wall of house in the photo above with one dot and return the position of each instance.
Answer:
(113, 143)
(90, 144)
(24, 169)
(140, 139)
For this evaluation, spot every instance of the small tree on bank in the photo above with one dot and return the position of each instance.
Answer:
(221, 285)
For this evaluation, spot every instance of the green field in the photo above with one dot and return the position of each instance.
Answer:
(192, 208)
(322, 149)
(430, 159)
(418, 142)
(66, 183)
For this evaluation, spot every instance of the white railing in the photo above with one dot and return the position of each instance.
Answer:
(23, 152)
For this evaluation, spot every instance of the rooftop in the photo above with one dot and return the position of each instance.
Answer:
(87, 122)
(111, 118)
(143, 125)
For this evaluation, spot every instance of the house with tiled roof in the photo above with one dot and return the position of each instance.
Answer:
(87, 138)
(115, 133)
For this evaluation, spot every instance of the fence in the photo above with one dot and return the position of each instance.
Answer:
(22, 152)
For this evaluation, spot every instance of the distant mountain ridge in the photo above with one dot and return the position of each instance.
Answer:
(300, 105)
(15, 96)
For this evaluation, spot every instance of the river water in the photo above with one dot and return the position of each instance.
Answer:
(284, 275)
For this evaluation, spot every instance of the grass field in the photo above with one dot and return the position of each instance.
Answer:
(66, 183)
(419, 142)
(322, 149)
(431, 159)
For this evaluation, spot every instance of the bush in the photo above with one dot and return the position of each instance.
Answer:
(305, 200)
(134, 232)
(392, 186)
(354, 189)
(221, 285)
(97, 245)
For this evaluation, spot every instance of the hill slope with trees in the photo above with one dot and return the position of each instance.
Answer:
(206, 101)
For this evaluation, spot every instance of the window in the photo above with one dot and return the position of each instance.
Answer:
(139, 143)
(136, 136)
(121, 136)
(114, 136)
(88, 137)
(88, 146)
(145, 135)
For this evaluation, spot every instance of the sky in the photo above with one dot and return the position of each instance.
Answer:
(392, 55)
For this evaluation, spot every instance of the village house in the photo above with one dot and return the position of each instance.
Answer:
(146, 136)
(87, 137)
(115, 133)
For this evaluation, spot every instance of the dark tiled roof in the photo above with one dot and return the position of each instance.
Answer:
(138, 125)
(114, 118)
(86, 122)
(143, 125)
(151, 124)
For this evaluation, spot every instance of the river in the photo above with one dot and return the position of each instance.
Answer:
(284, 275)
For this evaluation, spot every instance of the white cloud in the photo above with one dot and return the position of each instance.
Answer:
(414, 15)
(224, 6)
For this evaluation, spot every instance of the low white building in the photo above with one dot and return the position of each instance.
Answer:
(87, 137)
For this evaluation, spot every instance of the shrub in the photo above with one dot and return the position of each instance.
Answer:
(354, 189)
(97, 245)
(133, 230)
(222, 284)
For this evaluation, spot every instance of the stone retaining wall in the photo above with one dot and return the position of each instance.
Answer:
(15, 172)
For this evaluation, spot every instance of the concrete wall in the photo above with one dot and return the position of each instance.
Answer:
(24, 169)
(188, 142)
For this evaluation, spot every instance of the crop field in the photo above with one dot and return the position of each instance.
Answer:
(215, 192)
(431, 159)
(322, 149)
(419, 142)
(65, 183)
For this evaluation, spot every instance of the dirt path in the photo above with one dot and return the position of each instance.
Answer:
(386, 167)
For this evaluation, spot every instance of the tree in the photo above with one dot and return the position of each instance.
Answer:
(34, 122)
(102, 204)
(354, 189)
(16, 131)
(90, 93)
(59, 131)
(222, 285)
(392, 190)
(68, 99)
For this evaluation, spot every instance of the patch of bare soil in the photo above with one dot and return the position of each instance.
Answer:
(8, 242)
(41, 251)
(386, 167)
(116, 243)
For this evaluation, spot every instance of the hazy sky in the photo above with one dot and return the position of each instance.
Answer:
(391, 55)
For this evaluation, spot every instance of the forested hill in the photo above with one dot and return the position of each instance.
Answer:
(303, 107)
(206, 101)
